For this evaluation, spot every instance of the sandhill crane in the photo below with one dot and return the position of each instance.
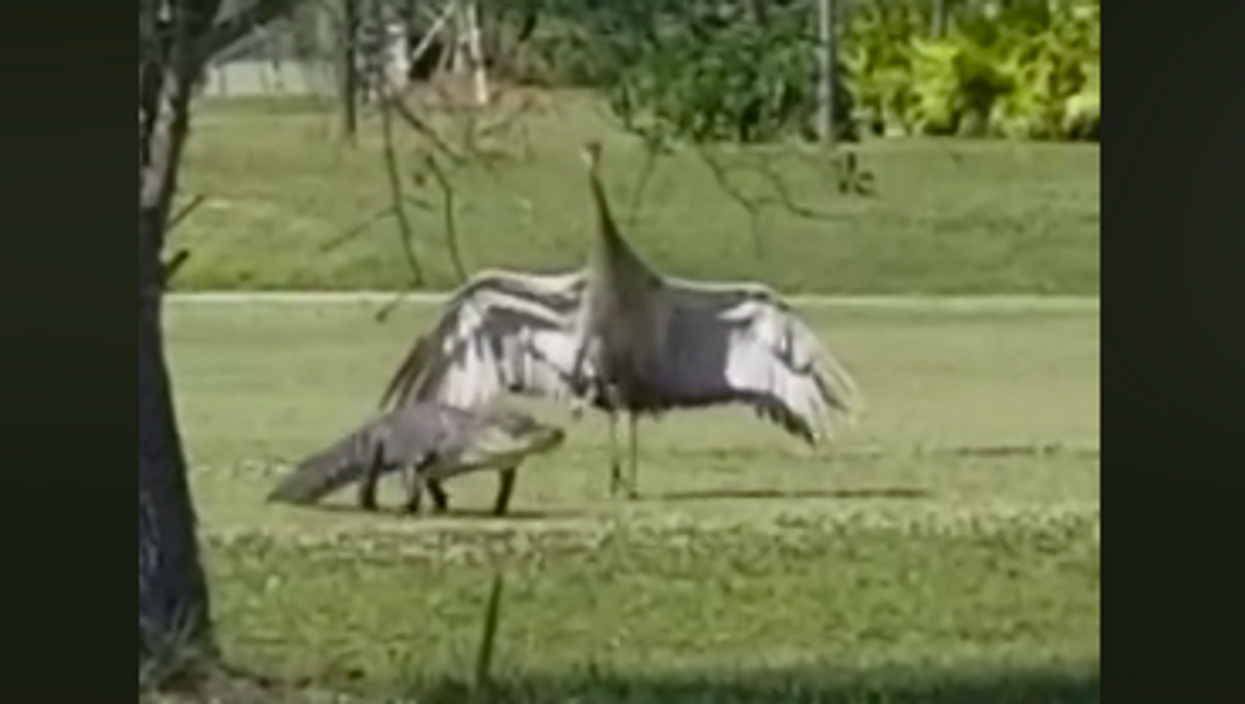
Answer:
(431, 442)
(622, 337)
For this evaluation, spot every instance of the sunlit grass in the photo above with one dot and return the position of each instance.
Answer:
(947, 550)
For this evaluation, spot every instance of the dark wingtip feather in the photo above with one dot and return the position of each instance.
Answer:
(405, 375)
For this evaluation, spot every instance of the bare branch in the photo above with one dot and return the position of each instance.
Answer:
(753, 208)
(171, 267)
(395, 190)
(237, 26)
(356, 230)
(425, 129)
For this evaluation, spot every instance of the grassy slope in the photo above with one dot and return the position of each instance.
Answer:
(951, 217)
(947, 550)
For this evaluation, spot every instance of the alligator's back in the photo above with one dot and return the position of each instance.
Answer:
(460, 440)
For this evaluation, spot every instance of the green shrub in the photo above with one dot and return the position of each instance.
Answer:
(1028, 70)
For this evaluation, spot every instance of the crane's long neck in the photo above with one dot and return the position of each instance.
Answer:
(612, 257)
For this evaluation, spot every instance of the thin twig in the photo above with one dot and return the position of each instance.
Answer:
(784, 196)
(172, 266)
(651, 152)
(184, 212)
(417, 202)
(754, 209)
(448, 205)
(356, 230)
(383, 314)
(395, 189)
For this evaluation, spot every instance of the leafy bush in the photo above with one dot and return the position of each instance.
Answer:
(709, 71)
(723, 79)
(1031, 69)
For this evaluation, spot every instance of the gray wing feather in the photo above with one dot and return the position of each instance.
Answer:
(742, 344)
(500, 332)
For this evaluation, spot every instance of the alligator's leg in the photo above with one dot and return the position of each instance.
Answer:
(440, 499)
(418, 480)
(367, 485)
(414, 489)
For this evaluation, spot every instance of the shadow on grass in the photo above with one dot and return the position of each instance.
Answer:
(1078, 683)
(1071, 685)
(709, 494)
(475, 514)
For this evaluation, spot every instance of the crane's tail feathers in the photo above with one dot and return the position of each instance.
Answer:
(325, 472)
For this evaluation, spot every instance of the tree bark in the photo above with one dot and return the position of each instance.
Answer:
(173, 606)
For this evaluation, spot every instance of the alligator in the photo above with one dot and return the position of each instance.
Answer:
(428, 442)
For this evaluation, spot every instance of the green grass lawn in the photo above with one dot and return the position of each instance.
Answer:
(949, 217)
(947, 550)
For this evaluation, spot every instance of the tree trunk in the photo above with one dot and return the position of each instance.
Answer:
(350, 69)
(173, 607)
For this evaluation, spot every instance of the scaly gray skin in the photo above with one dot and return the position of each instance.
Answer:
(432, 443)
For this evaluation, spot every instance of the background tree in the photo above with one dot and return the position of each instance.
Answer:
(176, 38)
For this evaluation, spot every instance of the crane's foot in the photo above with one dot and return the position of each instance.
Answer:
(618, 487)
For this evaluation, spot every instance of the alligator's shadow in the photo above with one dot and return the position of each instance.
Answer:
(463, 513)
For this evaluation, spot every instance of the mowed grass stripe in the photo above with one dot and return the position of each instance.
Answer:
(949, 217)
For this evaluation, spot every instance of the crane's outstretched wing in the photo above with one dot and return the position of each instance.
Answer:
(501, 331)
(741, 344)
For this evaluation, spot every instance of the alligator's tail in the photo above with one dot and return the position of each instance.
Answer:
(329, 470)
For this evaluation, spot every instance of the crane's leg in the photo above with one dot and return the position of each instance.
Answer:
(615, 465)
(633, 492)
(505, 488)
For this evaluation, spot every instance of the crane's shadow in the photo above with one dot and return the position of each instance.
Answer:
(472, 513)
(770, 494)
